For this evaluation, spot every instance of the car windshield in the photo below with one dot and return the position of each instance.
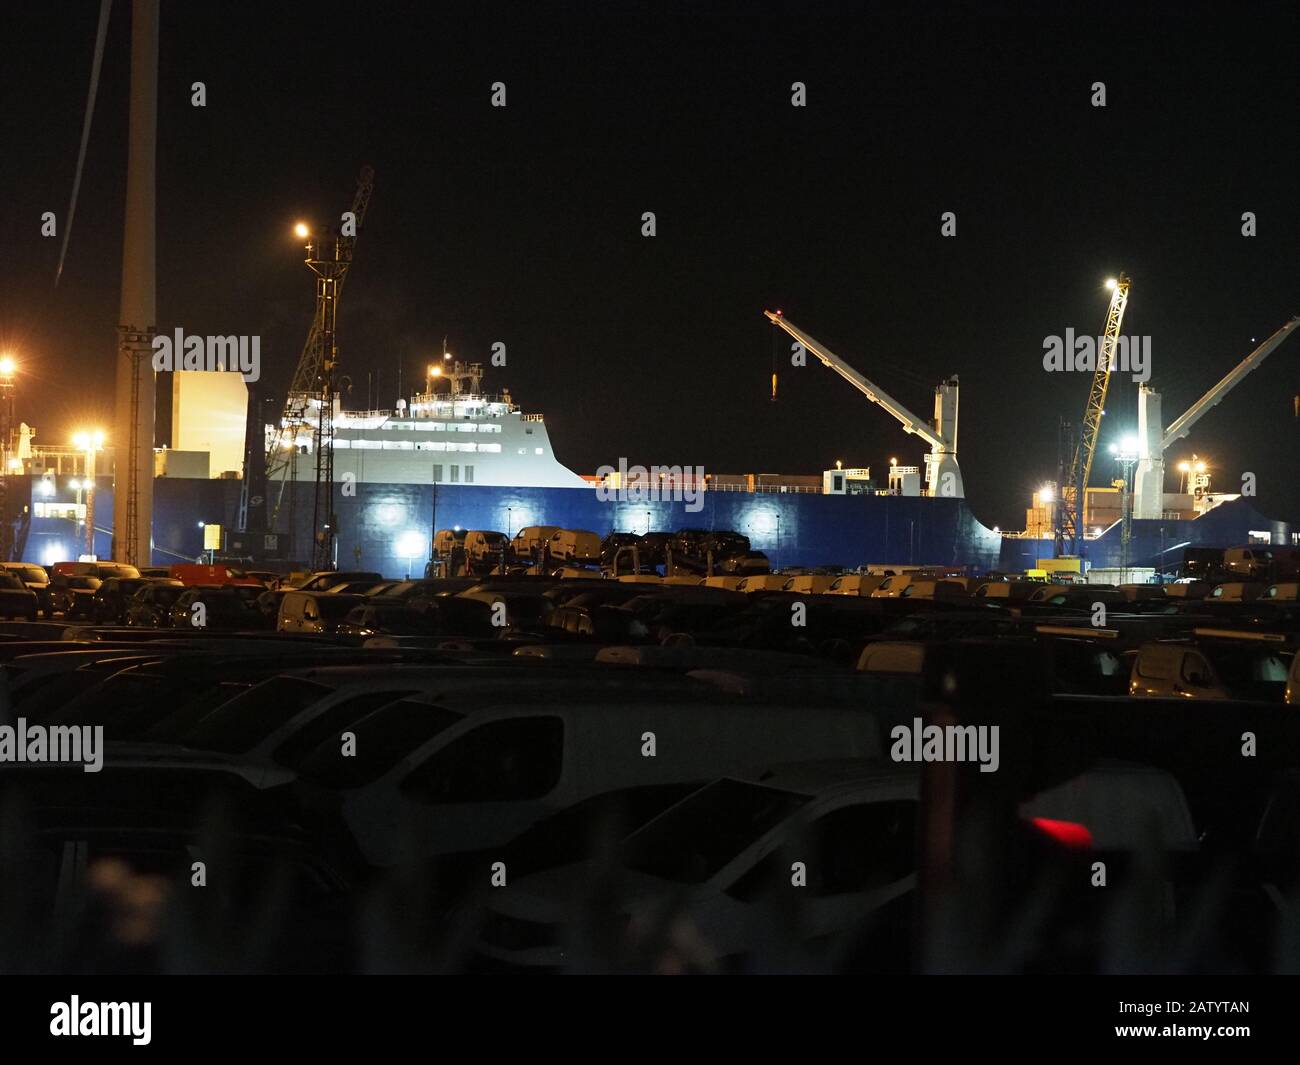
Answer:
(334, 608)
(30, 574)
(700, 835)
(90, 583)
(8, 580)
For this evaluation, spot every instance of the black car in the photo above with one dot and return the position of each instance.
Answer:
(149, 607)
(71, 595)
(16, 599)
(109, 603)
(396, 619)
(37, 581)
(226, 608)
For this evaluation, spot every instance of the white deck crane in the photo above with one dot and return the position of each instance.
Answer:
(1149, 478)
(942, 474)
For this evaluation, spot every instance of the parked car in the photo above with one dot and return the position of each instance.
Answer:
(327, 579)
(1227, 668)
(16, 599)
(109, 603)
(395, 619)
(37, 581)
(224, 608)
(724, 853)
(314, 611)
(150, 606)
(71, 595)
(507, 761)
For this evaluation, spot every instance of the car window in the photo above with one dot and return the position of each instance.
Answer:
(382, 739)
(240, 724)
(700, 835)
(1195, 666)
(863, 847)
(327, 726)
(513, 759)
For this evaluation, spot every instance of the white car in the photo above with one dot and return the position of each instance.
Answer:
(718, 855)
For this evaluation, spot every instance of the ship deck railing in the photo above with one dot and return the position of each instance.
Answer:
(713, 486)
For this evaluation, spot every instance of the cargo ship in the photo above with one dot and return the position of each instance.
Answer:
(454, 456)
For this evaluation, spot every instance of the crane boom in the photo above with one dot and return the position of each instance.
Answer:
(315, 359)
(1070, 509)
(911, 423)
(1183, 425)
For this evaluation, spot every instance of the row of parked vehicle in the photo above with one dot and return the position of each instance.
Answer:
(563, 770)
(561, 811)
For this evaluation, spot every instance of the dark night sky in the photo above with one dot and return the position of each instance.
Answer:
(523, 225)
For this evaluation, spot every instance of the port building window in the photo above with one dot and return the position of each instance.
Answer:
(399, 445)
(462, 447)
(469, 474)
(367, 445)
(432, 445)
(494, 448)
(342, 445)
(537, 451)
(437, 471)
(489, 428)
(455, 474)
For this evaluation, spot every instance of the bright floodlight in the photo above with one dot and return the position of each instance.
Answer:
(410, 545)
(1183, 467)
(1047, 493)
(301, 231)
(1111, 282)
(7, 366)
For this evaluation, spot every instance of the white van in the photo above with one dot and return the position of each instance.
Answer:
(892, 587)
(575, 545)
(855, 584)
(762, 582)
(1236, 592)
(1007, 592)
(810, 583)
(532, 538)
(929, 589)
(508, 761)
(447, 540)
(482, 544)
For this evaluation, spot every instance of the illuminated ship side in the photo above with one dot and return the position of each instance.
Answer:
(452, 433)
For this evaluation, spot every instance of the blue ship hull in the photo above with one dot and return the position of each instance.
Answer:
(792, 529)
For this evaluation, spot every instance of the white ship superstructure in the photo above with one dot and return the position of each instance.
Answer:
(452, 433)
